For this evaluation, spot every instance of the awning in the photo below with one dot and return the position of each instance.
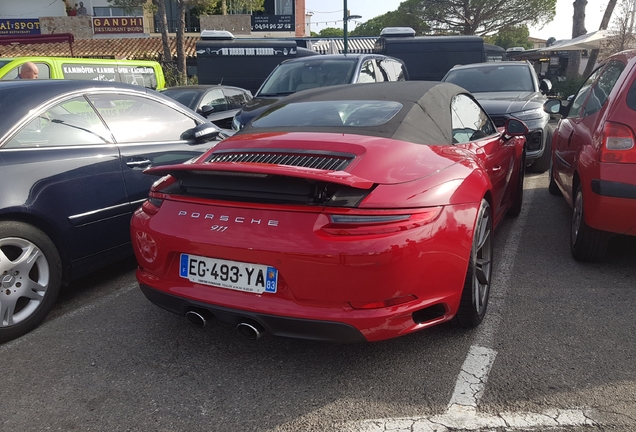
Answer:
(587, 41)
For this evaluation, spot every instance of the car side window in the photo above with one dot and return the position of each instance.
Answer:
(604, 85)
(468, 121)
(392, 70)
(70, 123)
(214, 98)
(133, 118)
(579, 98)
(367, 72)
(235, 98)
(44, 72)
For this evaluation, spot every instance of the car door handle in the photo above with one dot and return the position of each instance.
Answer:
(139, 163)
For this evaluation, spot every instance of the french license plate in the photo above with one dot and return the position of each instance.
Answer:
(254, 278)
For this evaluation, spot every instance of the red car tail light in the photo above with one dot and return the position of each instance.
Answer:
(377, 222)
(618, 144)
(152, 204)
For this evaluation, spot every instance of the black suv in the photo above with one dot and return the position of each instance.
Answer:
(320, 71)
(511, 89)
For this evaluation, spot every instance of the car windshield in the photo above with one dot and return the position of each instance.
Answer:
(291, 77)
(329, 114)
(496, 78)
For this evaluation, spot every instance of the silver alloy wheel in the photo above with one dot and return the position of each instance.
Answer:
(483, 262)
(24, 279)
(577, 216)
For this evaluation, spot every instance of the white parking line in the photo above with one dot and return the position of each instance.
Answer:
(462, 413)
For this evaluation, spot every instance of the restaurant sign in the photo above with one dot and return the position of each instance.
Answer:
(110, 25)
(21, 26)
(273, 23)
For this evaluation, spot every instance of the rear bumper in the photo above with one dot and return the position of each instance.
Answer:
(275, 325)
(611, 206)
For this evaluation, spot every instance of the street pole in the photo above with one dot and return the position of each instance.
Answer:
(345, 20)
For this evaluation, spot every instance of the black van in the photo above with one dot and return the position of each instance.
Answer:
(242, 62)
(428, 58)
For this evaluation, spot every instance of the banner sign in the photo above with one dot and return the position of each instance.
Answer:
(273, 23)
(21, 26)
(109, 25)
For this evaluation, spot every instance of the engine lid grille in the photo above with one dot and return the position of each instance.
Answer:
(326, 162)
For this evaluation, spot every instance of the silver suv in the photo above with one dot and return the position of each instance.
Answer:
(305, 73)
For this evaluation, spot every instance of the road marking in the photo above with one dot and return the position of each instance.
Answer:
(462, 413)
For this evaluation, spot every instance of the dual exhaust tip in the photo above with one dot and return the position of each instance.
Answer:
(251, 331)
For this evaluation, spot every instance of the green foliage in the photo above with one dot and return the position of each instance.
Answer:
(374, 26)
(332, 32)
(568, 87)
(513, 36)
(128, 6)
(479, 17)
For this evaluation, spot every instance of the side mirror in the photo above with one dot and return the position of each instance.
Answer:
(553, 106)
(545, 86)
(201, 133)
(206, 110)
(514, 127)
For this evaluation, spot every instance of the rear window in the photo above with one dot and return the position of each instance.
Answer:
(496, 78)
(329, 114)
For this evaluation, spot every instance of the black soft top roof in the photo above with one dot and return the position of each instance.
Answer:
(425, 117)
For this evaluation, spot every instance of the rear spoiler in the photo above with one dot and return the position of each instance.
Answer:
(338, 177)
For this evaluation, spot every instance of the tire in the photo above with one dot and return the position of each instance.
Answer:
(586, 243)
(542, 164)
(553, 188)
(30, 278)
(515, 209)
(474, 301)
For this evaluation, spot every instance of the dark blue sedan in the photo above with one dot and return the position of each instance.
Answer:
(72, 155)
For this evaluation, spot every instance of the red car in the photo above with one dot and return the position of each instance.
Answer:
(350, 213)
(594, 158)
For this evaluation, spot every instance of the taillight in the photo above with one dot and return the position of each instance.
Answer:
(152, 204)
(618, 144)
(377, 222)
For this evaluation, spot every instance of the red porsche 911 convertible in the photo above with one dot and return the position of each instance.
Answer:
(349, 213)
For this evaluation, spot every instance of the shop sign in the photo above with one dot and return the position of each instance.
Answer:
(20, 26)
(110, 25)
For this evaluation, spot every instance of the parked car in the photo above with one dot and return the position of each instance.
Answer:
(217, 103)
(349, 213)
(72, 155)
(512, 89)
(594, 157)
(320, 71)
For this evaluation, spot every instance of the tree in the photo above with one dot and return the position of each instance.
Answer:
(609, 10)
(479, 17)
(331, 32)
(578, 29)
(398, 18)
(622, 37)
(511, 37)
(182, 6)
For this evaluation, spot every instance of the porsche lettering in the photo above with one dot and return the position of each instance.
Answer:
(226, 218)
